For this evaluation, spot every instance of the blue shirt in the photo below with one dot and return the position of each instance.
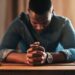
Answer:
(59, 36)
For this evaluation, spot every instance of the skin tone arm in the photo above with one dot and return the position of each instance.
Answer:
(27, 58)
(16, 57)
(22, 58)
(34, 57)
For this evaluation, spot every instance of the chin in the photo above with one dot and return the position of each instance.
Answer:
(39, 30)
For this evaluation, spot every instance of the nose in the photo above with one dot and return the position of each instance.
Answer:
(38, 26)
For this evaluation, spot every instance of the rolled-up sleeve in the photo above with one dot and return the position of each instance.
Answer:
(68, 40)
(4, 53)
(10, 40)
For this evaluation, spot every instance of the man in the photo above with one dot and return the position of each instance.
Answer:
(37, 35)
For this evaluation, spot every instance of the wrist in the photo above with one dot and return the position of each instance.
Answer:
(66, 54)
(49, 58)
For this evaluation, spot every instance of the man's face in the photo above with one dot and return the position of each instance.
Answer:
(40, 22)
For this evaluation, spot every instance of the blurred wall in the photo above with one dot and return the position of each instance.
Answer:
(9, 9)
(2, 16)
(65, 8)
(61, 7)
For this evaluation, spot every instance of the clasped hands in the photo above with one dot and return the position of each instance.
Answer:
(36, 54)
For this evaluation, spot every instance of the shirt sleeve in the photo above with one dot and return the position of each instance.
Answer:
(10, 40)
(68, 40)
(4, 53)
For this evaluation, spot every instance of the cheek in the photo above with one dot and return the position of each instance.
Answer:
(31, 22)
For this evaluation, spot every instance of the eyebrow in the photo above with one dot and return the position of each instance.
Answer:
(42, 20)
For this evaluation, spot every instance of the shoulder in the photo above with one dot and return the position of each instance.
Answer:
(66, 22)
(59, 22)
(23, 16)
(17, 23)
(20, 19)
(62, 20)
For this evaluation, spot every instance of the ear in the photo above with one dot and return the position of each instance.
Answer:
(52, 8)
(53, 11)
(28, 10)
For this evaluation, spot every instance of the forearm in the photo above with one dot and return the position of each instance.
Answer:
(58, 57)
(16, 57)
(66, 55)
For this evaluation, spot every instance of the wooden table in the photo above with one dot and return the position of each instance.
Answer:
(22, 69)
